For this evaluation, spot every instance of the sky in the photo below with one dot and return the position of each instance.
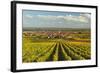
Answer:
(55, 19)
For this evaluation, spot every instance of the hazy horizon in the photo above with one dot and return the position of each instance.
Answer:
(54, 27)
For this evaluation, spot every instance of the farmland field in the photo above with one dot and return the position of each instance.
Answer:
(56, 45)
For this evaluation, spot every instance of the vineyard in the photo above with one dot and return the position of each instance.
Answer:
(54, 49)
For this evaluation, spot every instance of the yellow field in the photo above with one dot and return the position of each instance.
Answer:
(57, 49)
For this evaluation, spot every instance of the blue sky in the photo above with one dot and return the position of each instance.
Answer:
(41, 19)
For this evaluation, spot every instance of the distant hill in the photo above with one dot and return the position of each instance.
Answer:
(55, 29)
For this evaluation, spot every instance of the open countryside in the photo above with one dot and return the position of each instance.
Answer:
(50, 36)
(53, 45)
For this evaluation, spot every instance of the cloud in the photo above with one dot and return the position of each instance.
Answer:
(87, 15)
(68, 21)
(28, 16)
(81, 18)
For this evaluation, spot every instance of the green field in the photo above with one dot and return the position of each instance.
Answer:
(44, 46)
